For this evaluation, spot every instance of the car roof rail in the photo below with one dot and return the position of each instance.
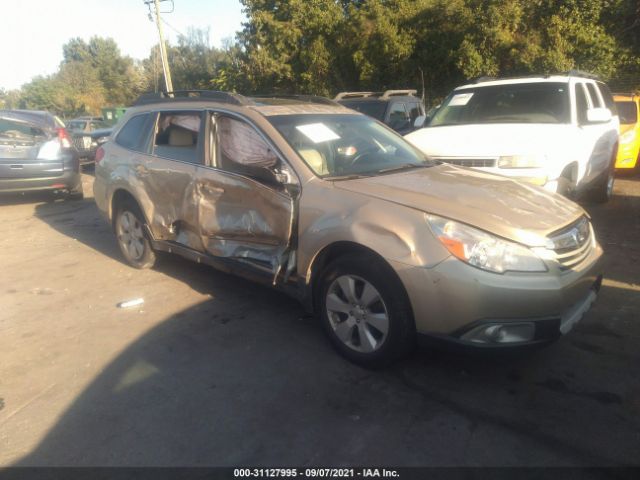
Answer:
(398, 93)
(484, 78)
(186, 95)
(302, 98)
(580, 73)
(342, 95)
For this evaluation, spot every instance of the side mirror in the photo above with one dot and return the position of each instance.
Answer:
(419, 121)
(599, 115)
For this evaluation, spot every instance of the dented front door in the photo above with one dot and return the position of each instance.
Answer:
(240, 218)
(243, 213)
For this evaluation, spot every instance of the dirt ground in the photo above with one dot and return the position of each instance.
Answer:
(214, 370)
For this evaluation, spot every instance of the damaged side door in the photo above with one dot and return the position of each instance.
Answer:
(168, 175)
(245, 210)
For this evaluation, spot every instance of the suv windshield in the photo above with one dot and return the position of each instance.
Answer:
(541, 102)
(628, 112)
(346, 145)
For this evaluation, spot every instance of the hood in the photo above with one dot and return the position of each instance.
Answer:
(491, 140)
(625, 127)
(520, 212)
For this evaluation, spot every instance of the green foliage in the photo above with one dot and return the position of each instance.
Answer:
(325, 46)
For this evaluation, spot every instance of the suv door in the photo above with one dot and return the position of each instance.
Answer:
(244, 213)
(168, 174)
(596, 137)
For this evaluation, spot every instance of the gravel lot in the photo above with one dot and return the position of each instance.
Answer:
(214, 370)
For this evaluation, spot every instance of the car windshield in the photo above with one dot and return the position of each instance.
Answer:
(541, 102)
(628, 112)
(347, 145)
(373, 108)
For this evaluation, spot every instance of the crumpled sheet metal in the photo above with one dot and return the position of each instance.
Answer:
(238, 220)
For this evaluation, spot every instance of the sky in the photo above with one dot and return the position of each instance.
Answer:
(32, 32)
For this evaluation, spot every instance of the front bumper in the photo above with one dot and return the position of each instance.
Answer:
(452, 298)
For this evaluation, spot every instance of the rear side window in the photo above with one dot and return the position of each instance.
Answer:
(581, 103)
(595, 98)
(177, 136)
(133, 133)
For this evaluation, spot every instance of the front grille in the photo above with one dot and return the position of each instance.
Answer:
(468, 162)
(572, 244)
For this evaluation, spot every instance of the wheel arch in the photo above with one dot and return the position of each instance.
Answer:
(331, 252)
(120, 196)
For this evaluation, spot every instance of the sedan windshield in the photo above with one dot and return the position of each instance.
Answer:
(540, 102)
(347, 145)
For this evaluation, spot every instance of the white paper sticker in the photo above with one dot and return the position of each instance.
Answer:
(460, 99)
(318, 132)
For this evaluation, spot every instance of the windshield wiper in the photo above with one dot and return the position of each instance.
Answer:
(352, 176)
(404, 166)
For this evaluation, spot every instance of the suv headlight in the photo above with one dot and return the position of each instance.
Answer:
(628, 137)
(483, 250)
(521, 161)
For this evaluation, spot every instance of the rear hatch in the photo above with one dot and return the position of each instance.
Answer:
(28, 149)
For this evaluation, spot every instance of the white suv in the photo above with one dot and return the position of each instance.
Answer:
(559, 132)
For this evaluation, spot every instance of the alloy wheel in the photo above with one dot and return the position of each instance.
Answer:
(357, 313)
(130, 235)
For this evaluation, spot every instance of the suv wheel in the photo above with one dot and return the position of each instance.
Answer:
(604, 190)
(132, 240)
(365, 311)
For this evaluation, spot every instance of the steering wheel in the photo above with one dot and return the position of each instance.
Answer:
(363, 148)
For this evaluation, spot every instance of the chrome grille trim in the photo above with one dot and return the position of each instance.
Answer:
(580, 234)
(468, 161)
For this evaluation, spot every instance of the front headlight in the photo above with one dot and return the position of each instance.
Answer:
(628, 137)
(101, 140)
(521, 161)
(483, 250)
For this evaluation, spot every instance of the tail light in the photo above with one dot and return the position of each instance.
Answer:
(65, 139)
(99, 155)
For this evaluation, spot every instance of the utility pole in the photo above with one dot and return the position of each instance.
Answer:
(163, 51)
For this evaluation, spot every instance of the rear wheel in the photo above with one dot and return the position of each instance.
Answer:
(365, 311)
(132, 239)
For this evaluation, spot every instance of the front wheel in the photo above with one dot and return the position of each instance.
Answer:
(133, 242)
(365, 311)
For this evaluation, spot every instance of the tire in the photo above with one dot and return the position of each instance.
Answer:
(132, 238)
(365, 311)
(603, 191)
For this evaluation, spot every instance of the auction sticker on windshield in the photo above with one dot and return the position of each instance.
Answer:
(318, 132)
(460, 99)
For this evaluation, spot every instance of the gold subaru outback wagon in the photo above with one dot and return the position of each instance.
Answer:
(331, 206)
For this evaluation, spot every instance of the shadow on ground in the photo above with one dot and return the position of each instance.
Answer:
(263, 387)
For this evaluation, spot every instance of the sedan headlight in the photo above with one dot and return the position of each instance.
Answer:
(483, 250)
(628, 137)
(521, 161)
